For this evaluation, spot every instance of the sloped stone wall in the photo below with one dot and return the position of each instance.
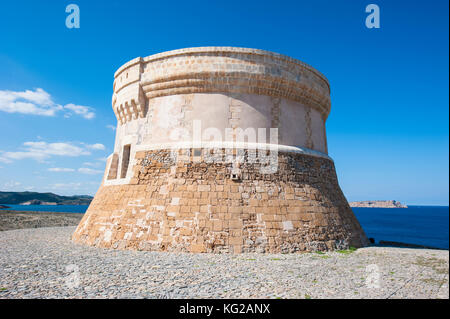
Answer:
(190, 204)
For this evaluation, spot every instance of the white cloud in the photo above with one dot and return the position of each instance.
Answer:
(83, 170)
(89, 171)
(14, 186)
(88, 187)
(40, 151)
(84, 111)
(8, 157)
(11, 185)
(61, 169)
(27, 108)
(39, 102)
(97, 146)
(91, 164)
(4, 160)
(61, 149)
(112, 127)
(39, 96)
(73, 186)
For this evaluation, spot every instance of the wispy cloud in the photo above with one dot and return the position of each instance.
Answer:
(11, 185)
(14, 186)
(59, 186)
(41, 151)
(84, 111)
(39, 102)
(74, 187)
(97, 164)
(111, 127)
(60, 169)
(36, 102)
(82, 170)
(89, 171)
(97, 146)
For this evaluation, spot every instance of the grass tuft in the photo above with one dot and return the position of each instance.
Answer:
(347, 251)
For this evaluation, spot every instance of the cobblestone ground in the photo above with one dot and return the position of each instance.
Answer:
(44, 263)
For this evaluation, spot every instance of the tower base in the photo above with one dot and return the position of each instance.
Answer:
(198, 206)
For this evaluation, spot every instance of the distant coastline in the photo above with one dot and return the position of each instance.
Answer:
(378, 204)
(35, 198)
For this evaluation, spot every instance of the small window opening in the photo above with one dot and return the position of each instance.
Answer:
(113, 167)
(125, 160)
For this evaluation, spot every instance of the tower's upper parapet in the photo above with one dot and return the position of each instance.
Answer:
(216, 70)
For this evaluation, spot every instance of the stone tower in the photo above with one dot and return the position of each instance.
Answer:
(220, 149)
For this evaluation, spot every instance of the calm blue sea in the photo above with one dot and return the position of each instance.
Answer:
(49, 208)
(420, 225)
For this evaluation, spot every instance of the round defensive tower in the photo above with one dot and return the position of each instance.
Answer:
(220, 149)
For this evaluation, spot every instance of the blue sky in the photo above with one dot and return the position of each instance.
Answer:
(388, 127)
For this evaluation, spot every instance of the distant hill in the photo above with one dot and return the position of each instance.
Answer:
(378, 204)
(34, 198)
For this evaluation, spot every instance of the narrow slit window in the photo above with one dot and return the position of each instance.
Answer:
(113, 167)
(125, 160)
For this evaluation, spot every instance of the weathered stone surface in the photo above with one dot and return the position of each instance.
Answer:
(188, 207)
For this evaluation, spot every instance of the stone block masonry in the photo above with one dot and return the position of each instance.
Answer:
(196, 207)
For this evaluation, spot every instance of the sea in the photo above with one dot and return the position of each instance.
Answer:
(417, 225)
(48, 208)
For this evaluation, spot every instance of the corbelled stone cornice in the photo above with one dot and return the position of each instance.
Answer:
(226, 70)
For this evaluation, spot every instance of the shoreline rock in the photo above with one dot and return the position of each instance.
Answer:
(378, 204)
(10, 220)
(38, 202)
(388, 243)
